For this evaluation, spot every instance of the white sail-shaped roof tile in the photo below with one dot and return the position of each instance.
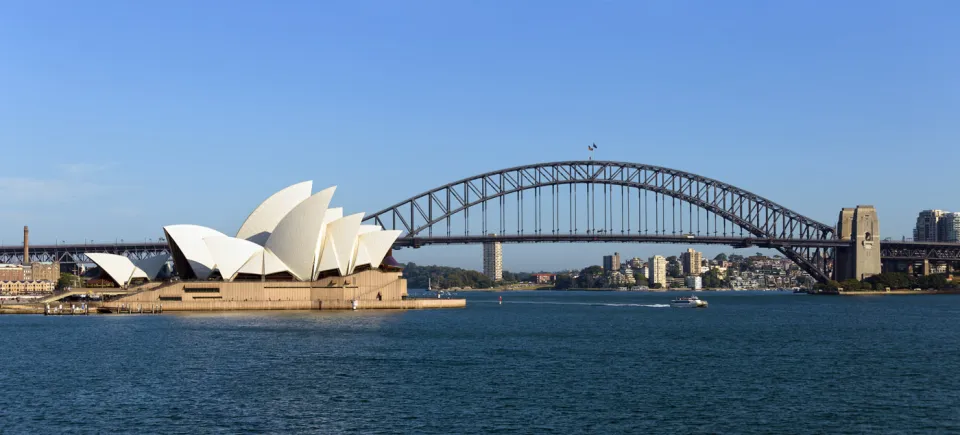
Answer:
(328, 257)
(117, 267)
(264, 219)
(296, 239)
(338, 248)
(263, 262)
(360, 256)
(375, 246)
(152, 265)
(189, 240)
(331, 215)
(230, 254)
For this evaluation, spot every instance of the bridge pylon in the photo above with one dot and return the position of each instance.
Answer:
(861, 259)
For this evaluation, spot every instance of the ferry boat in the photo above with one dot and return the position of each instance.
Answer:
(691, 302)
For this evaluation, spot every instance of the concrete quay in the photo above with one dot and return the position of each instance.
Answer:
(335, 304)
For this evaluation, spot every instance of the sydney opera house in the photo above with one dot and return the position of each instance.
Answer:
(294, 251)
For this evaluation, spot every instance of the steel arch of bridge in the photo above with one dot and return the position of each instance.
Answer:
(761, 218)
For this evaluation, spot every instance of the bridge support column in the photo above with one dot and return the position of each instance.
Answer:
(861, 259)
(926, 267)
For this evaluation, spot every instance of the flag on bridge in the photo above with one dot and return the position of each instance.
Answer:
(594, 145)
(589, 148)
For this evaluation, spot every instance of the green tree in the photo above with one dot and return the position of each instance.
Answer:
(68, 280)
(444, 277)
(656, 285)
(590, 277)
(675, 271)
(851, 285)
(711, 279)
(564, 281)
(720, 257)
(639, 277)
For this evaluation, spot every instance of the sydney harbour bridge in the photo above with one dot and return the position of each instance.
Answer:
(592, 201)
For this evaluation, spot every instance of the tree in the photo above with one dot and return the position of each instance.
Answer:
(656, 285)
(68, 280)
(851, 285)
(589, 277)
(639, 277)
(711, 279)
(592, 270)
(564, 281)
(675, 271)
(444, 277)
(720, 257)
(672, 259)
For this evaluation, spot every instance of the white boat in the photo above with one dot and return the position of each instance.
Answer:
(691, 302)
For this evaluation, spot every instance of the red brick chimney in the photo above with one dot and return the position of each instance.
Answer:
(26, 245)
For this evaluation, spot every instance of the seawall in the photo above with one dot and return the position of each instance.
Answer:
(337, 304)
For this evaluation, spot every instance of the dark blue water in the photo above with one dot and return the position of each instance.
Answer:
(542, 362)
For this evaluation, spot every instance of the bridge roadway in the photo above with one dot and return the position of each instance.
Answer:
(890, 250)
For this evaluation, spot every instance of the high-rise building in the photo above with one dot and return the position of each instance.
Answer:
(658, 270)
(691, 262)
(950, 226)
(493, 260)
(928, 227)
(611, 262)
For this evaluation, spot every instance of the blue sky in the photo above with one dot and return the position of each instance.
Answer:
(119, 117)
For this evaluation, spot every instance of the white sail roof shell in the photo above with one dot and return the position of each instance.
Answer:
(117, 267)
(360, 256)
(152, 265)
(189, 240)
(338, 244)
(263, 262)
(296, 239)
(374, 245)
(230, 254)
(265, 218)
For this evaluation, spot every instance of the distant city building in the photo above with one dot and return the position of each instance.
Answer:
(950, 225)
(721, 272)
(694, 282)
(617, 278)
(691, 262)
(928, 227)
(544, 278)
(628, 275)
(658, 270)
(11, 272)
(493, 260)
(42, 272)
(26, 287)
(611, 262)
(635, 263)
(675, 283)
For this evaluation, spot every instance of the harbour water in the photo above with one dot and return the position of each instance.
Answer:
(542, 362)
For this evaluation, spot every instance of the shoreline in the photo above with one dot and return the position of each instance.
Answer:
(893, 292)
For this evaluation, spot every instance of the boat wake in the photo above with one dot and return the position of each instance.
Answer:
(637, 305)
